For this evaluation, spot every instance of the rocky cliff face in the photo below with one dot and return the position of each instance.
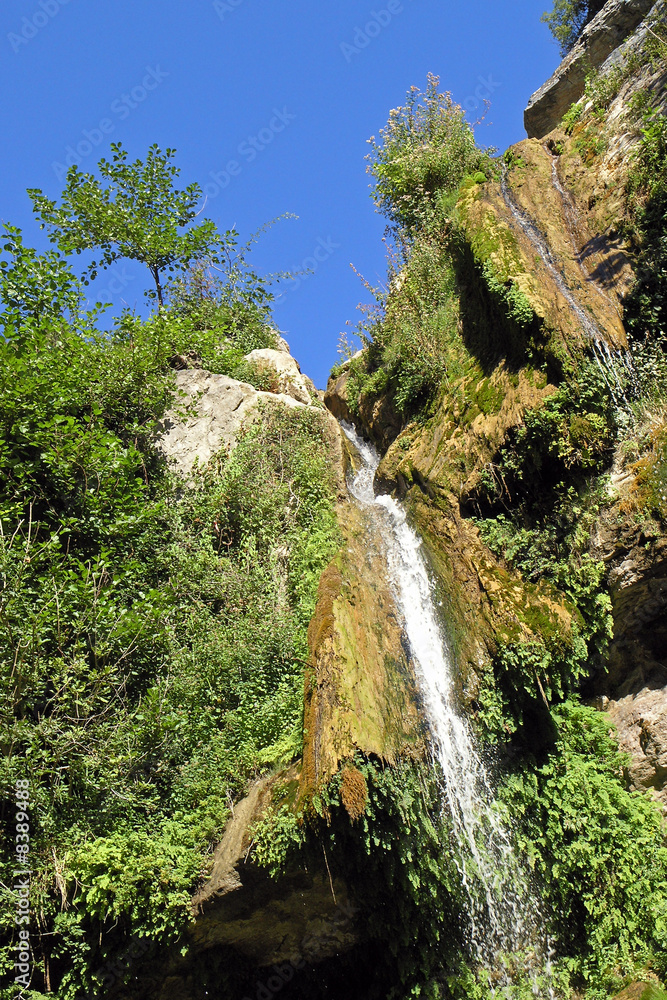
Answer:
(211, 409)
(542, 275)
(548, 231)
(599, 40)
(634, 693)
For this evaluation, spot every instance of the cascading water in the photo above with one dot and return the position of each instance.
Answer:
(503, 914)
(601, 353)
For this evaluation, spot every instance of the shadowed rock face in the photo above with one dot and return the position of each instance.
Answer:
(616, 20)
(635, 686)
(376, 420)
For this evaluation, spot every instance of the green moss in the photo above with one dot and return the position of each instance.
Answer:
(489, 397)
(513, 160)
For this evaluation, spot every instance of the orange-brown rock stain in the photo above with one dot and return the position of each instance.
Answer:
(359, 692)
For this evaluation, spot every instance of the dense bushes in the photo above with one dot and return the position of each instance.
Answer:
(598, 850)
(425, 153)
(412, 341)
(151, 638)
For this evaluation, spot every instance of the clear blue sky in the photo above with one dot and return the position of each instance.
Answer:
(287, 89)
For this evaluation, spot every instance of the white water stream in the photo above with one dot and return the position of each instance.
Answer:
(503, 916)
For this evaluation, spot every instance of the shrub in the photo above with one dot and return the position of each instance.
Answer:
(152, 638)
(427, 148)
(571, 434)
(598, 850)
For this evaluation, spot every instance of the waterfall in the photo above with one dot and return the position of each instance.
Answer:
(503, 915)
(601, 353)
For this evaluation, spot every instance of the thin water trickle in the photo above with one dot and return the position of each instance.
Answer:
(601, 353)
(503, 915)
(543, 249)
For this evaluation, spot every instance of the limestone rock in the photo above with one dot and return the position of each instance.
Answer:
(264, 921)
(208, 416)
(224, 877)
(300, 917)
(360, 692)
(596, 272)
(636, 557)
(634, 688)
(616, 20)
(641, 722)
(289, 379)
(377, 419)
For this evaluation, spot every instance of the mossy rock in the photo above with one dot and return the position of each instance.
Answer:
(642, 991)
(360, 692)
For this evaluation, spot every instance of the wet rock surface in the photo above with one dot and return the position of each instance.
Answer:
(360, 691)
(377, 420)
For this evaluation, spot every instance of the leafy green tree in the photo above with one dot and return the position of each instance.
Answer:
(34, 288)
(152, 638)
(568, 18)
(137, 215)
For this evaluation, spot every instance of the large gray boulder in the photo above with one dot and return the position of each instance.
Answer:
(286, 372)
(208, 415)
(613, 24)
